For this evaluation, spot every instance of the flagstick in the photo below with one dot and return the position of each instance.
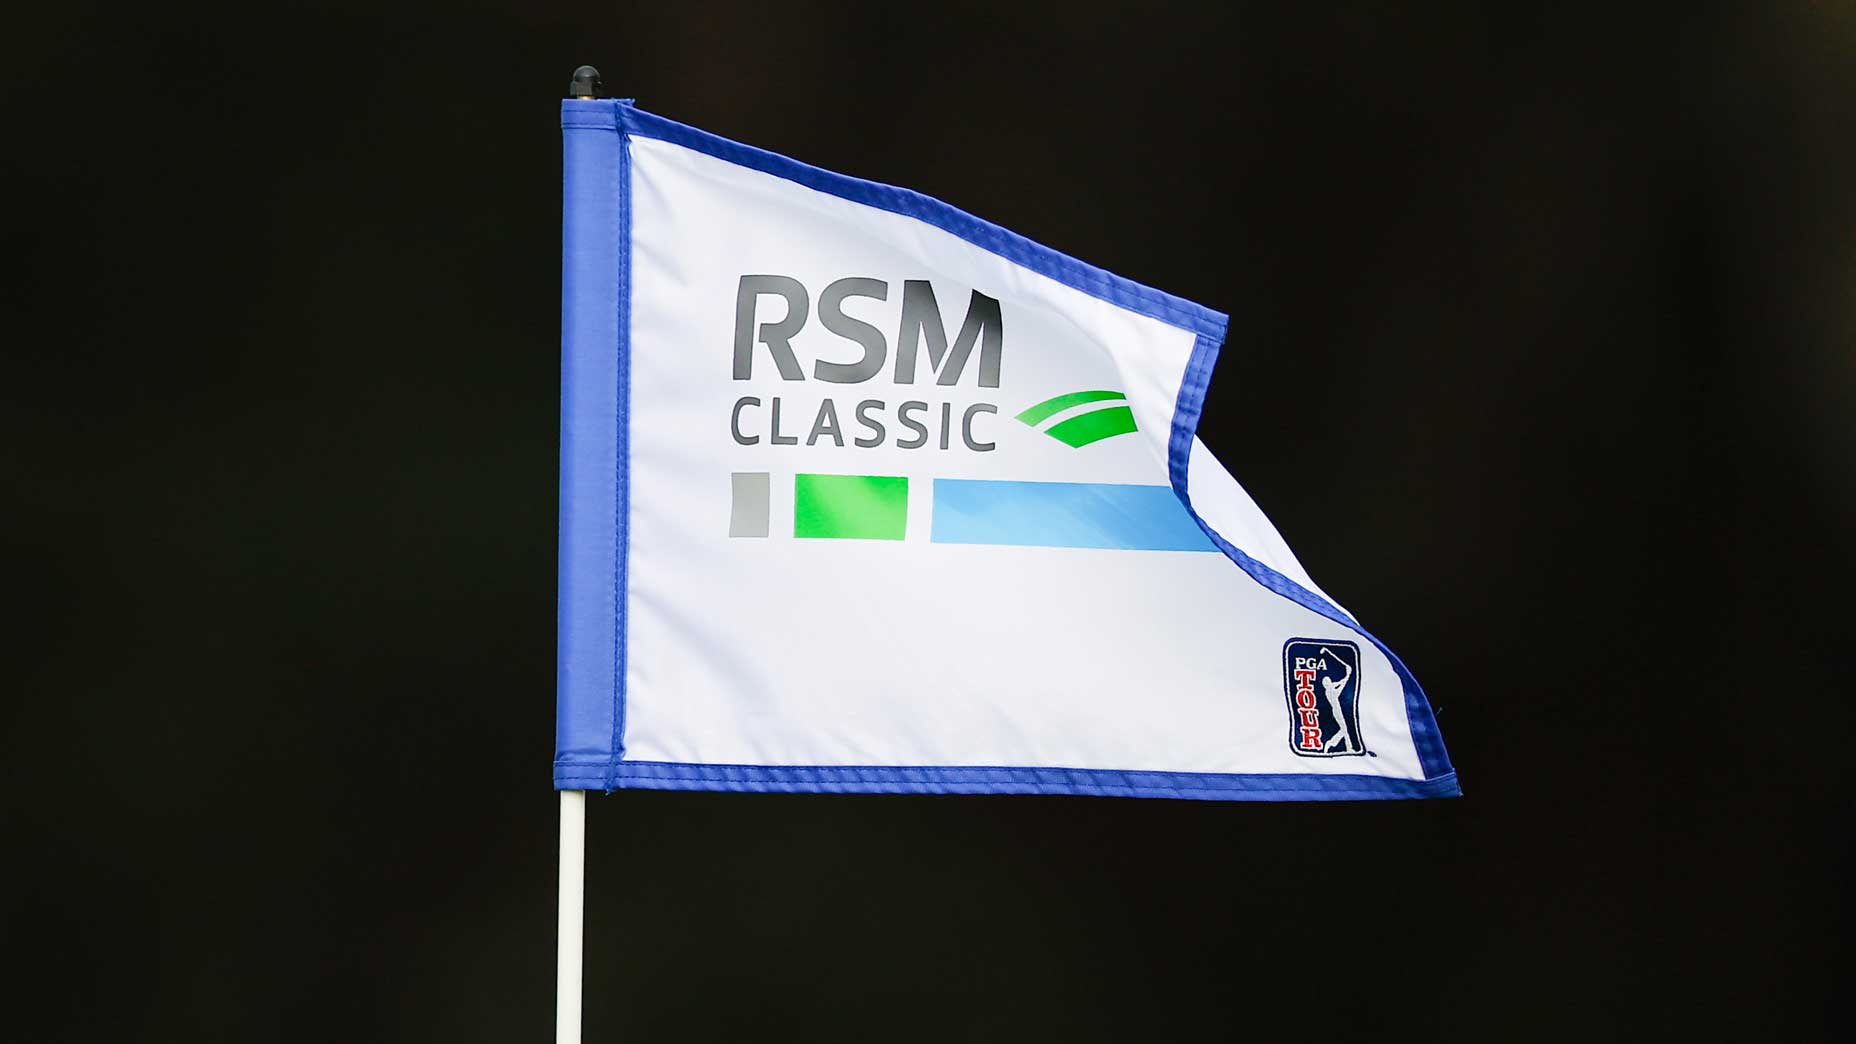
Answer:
(573, 916)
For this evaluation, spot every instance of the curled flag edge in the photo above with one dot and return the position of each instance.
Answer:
(1425, 736)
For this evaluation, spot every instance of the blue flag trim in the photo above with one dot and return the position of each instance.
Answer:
(986, 779)
(595, 397)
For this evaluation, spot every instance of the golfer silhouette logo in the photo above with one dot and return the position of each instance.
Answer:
(1321, 679)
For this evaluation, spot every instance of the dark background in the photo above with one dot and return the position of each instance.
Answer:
(1574, 290)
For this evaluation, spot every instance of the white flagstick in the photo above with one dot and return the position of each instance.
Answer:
(573, 916)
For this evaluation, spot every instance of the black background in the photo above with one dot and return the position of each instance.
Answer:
(1570, 293)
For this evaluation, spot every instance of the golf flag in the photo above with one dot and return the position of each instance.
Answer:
(861, 493)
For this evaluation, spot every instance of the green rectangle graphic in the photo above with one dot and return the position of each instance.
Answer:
(850, 507)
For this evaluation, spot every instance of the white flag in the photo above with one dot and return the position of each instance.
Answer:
(863, 493)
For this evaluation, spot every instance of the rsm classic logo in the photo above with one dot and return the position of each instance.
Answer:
(958, 421)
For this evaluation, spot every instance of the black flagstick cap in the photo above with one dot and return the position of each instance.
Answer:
(585, 83)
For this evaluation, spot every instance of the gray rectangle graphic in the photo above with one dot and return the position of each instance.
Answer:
(747, 515)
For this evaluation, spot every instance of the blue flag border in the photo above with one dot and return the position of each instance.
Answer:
(595, 397)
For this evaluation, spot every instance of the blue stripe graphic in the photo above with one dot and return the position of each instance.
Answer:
(1064, 514)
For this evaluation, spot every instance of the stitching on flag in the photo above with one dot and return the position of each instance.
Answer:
(1009, 779)
(622, 531)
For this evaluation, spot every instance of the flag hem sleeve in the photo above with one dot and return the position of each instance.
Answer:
(593, 492)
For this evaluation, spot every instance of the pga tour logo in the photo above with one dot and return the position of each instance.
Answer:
(1321, 678)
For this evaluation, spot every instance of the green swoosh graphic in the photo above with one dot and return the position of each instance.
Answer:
(1093, 426)
(1057, 404)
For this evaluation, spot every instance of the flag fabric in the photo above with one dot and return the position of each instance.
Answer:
(861, 493)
